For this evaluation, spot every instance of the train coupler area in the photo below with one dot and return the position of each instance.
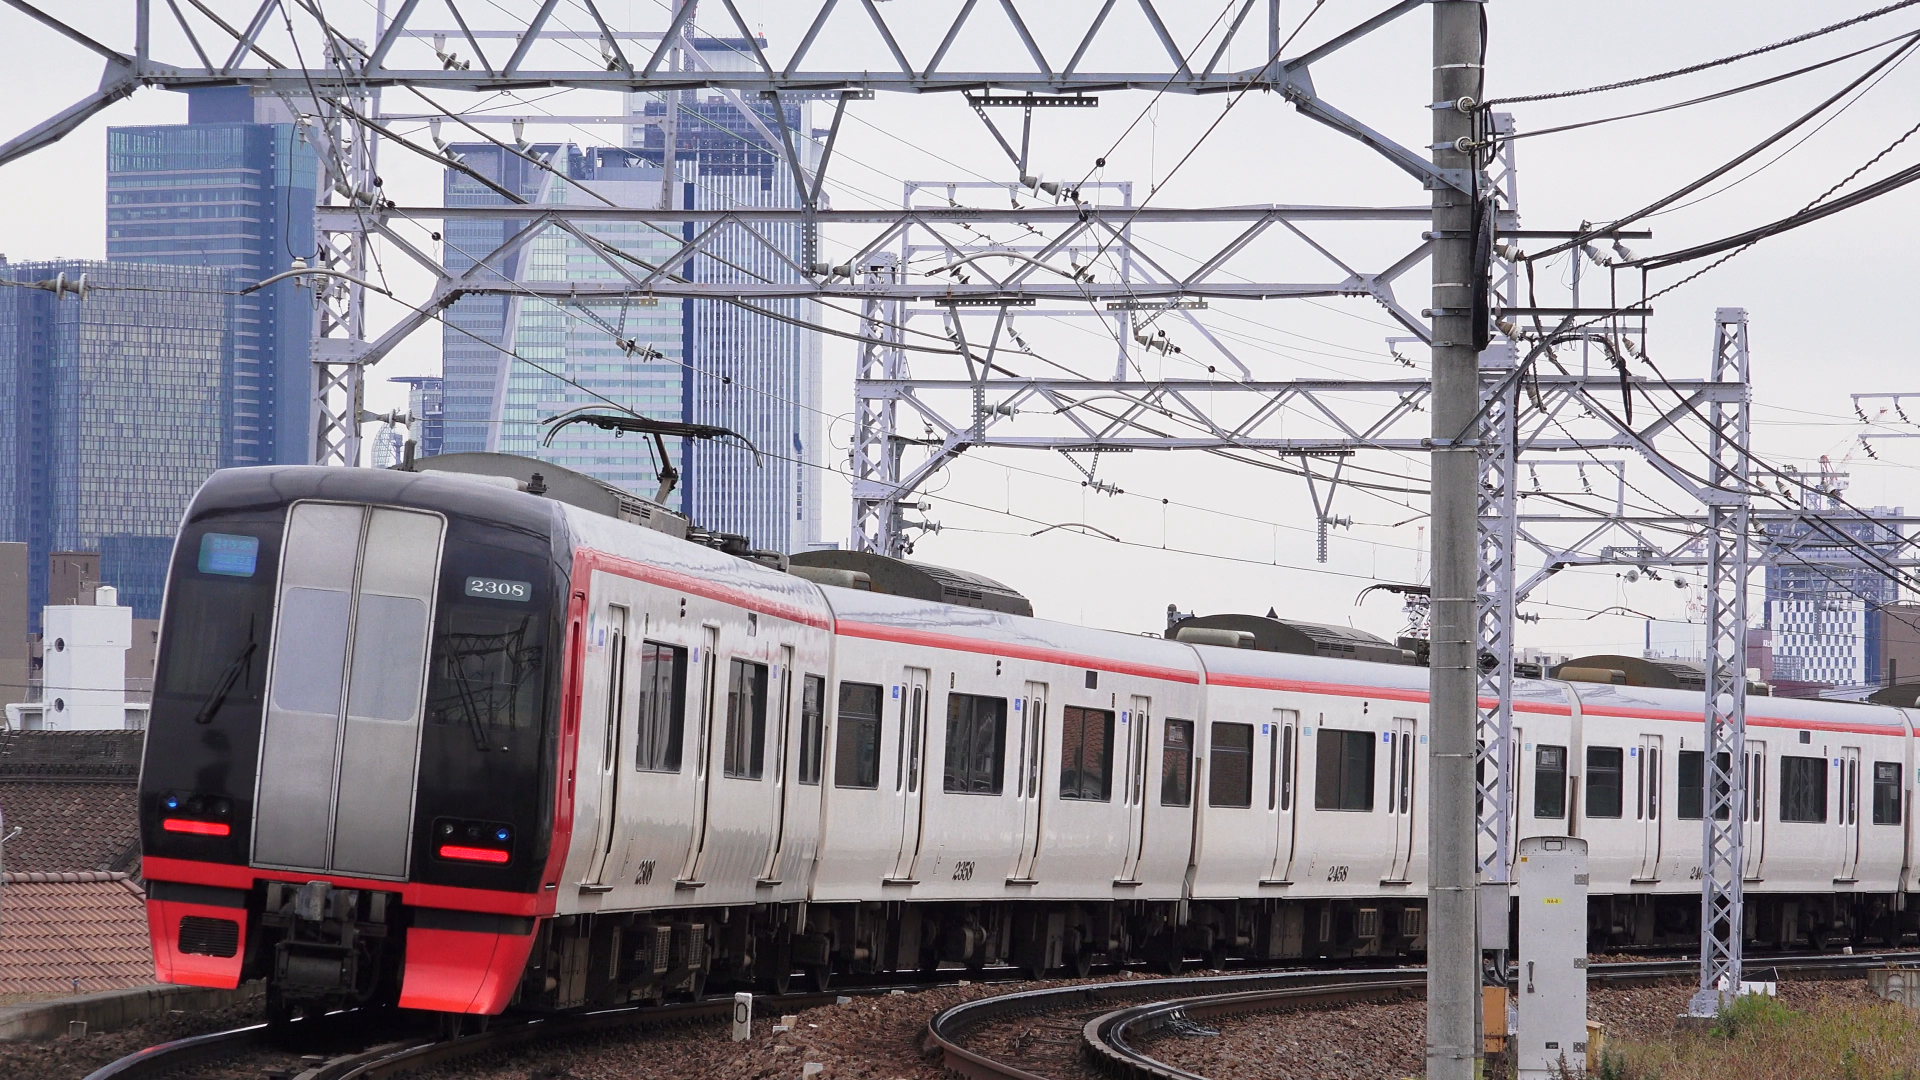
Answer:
(329, 943)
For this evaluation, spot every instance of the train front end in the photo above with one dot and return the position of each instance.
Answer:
(348, 787)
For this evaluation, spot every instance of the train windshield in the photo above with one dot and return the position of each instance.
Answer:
(488, 673)
(218, 617)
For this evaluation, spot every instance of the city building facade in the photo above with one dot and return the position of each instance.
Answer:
(426, 404)
(1823, 606)
(232, 188)
(113, 410)
(513, 362)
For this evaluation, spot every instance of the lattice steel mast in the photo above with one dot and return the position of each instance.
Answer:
(1728, 495)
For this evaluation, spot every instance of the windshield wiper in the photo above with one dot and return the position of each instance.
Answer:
(227, 678)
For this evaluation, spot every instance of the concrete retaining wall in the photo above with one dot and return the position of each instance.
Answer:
(111, 1010)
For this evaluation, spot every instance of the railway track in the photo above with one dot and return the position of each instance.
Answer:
(1113, 1019)
(1086, 1027)
(394, 1050)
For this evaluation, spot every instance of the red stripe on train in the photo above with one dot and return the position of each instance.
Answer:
(586, 560)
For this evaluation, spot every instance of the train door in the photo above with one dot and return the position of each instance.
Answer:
(1849, 813)
(911, 759)
(1754, 833)
(339, 750)
(607, 782)
(1282, 750)
(1026, 784)
(1139, 725)
(783, 787)
(705, 744)
(1401, 759)
(1647, 806)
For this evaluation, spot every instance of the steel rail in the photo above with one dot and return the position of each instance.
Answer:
(396, 1056)
(1109, 1041)
(163, 1058)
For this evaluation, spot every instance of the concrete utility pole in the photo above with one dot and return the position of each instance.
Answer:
(1453, 951)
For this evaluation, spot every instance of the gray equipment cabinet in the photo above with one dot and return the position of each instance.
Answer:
(1550, 1036)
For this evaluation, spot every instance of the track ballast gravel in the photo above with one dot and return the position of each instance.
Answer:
(878, 1038)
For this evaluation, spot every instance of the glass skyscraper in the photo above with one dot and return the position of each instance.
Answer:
(704, 361)
(753, 373)
(113, 409)
(513, 361)
(232, 188)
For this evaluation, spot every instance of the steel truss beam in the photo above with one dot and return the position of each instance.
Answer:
(1117, 415)
(1672, 540)
(207, 50)
(191, 45)
(1110, 414)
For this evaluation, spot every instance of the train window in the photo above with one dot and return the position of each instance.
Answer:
(1692, 799)
(746, 745)
(1230, 765)
(813, 699)
(312, 650)
(616, 683)
(856, 748)
(1286, 761)
(1086, 753)
(1886, 793)
(1803, 788)
(662, 707)
(1176, 763)
(212, 660)
(1605, 781)
(1549, 781)
(976, 743)
(1343, 770)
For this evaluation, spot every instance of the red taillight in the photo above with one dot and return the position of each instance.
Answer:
(472, 854)
(197, 828)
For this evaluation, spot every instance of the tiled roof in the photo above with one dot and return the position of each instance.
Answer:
(71, 755)
(72, 933)
(70, 826)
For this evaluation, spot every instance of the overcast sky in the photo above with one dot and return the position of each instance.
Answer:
(1827, 303)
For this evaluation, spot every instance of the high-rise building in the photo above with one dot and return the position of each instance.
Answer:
(113, 410)
(756, 373)
(231, 188)
(1823, 605)
(752, 368)
(426, 404)
(516, 361)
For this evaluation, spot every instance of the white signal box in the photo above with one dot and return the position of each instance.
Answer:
(1550, 1036)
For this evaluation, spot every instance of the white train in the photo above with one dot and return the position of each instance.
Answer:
(634, 761)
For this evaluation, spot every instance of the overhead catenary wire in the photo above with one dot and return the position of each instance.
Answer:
(1717, 95)
(1706, 65)
(1898, 56)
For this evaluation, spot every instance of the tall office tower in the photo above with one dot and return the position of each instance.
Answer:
(113, 409)
(233, 188)
(515, 361)
(752, 373)
(1822, 605)
(426, 404)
